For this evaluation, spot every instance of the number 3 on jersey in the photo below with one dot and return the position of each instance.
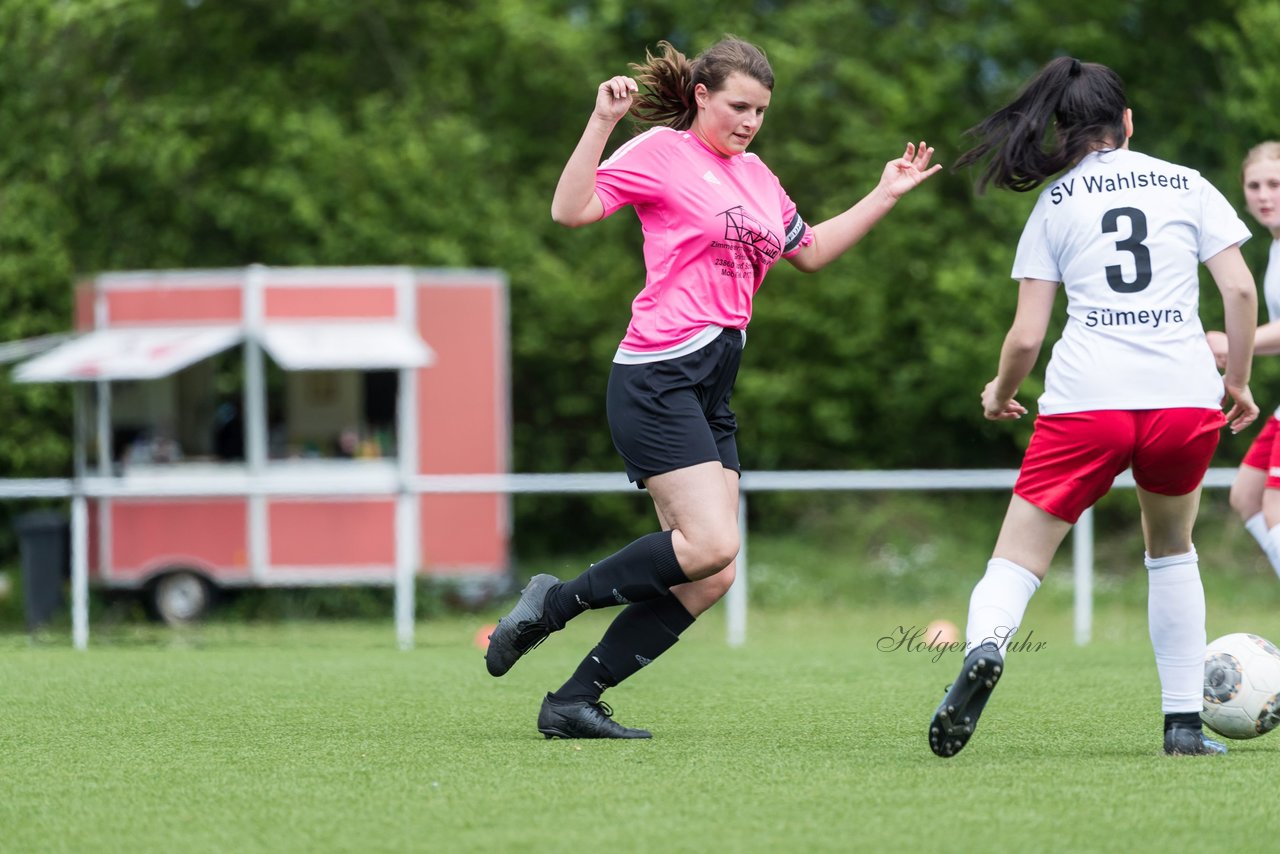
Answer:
(1132, 244)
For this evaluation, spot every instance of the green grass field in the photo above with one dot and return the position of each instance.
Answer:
(265, 730)
(324, 737)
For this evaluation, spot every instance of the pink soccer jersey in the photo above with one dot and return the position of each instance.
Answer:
(713, 226)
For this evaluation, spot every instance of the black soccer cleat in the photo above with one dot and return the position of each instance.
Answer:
(522, 629)
(1190, 741)
(957, 717)
(580, 719)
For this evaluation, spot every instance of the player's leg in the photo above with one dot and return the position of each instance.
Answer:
(671, 423)
(703, 527)
(701, 540)
(1027, 542)
(1248, 492)
(1266, 525)
(703, 537)
(1070, 463)
(1175, 449)
(1176, 617)
(640, 633)
(660, 428)
(1265, 455)
(699, 595)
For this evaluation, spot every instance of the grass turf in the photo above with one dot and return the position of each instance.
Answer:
(323, 737)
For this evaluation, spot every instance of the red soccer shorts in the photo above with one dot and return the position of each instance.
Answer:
(1264, 453)
(1074, 457)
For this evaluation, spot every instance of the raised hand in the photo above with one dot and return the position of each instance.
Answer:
(614, 97)
(908, 171)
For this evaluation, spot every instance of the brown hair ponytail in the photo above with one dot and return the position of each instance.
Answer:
(670, 78)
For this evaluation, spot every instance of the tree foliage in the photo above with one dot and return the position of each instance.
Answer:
(204, 133)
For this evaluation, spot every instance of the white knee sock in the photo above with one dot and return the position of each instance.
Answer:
(998, 602)
(1257, 526)
(1175, 614)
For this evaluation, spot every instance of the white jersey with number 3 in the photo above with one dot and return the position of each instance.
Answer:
(1125, 233)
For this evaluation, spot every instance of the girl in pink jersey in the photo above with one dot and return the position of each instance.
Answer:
(1131, 384)
(1255, 494)
(715, 220)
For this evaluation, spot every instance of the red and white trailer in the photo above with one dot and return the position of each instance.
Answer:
(267, 426)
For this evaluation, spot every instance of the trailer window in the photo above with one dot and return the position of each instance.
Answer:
(197, 415)
(335, 414)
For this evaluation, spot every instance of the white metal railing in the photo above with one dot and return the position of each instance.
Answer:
(281, 484)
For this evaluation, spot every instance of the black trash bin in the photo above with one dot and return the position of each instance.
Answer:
(46, 561)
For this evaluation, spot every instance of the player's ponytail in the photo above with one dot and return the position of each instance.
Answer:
(1067, 110)
(666, 81)
(669, 79)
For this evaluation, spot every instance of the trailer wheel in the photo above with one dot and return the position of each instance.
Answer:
(180, 598)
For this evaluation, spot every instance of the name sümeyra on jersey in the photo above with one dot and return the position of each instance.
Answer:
(1092, 184)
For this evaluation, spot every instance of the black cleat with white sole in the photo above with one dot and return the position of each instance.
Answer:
(580, 719)
(957, 717)
(522, 629)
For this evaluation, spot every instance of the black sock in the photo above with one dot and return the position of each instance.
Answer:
(1185, 720)
(638, 635)
(644, 569)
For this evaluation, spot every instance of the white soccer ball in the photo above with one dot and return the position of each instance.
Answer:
(1241, 686)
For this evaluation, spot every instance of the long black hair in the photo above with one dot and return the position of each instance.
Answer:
(1084, 104)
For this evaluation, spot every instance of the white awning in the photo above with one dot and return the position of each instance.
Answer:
(342, 345)
(16, 351)
(139, 353)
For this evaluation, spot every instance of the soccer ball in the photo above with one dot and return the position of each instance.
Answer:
(1241, 686)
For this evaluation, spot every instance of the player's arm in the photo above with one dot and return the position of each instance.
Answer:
(834, 236)
(575, 202)
(1020, 350)
(1266, 342)
(1240, 312)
